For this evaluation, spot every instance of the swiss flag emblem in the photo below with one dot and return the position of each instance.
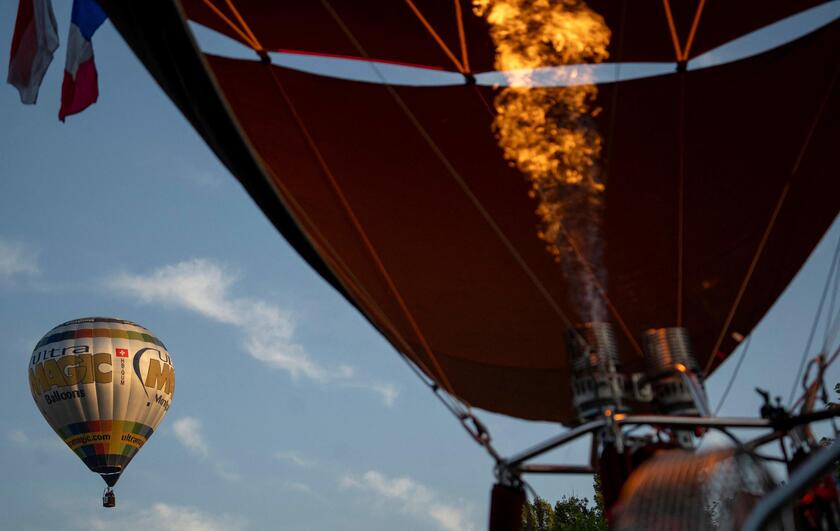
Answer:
(122, 352)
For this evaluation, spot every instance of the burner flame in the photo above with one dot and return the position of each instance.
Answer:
(550, 134)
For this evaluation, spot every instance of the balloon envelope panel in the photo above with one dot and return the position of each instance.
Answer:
(103, 385)
(719, 181)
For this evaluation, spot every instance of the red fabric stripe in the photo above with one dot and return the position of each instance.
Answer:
(78, 94)
(357, 58)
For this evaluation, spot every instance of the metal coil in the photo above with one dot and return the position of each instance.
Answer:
(597, 381)
(668, 355)
(592, 347)
(665, 348)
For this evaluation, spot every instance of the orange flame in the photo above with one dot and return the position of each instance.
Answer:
(549, 133)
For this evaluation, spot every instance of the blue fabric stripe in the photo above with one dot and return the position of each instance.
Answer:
(88, 16)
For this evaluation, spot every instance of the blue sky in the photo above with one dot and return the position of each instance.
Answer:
(290, 411)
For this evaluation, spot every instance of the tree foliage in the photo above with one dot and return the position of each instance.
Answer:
(570, 513)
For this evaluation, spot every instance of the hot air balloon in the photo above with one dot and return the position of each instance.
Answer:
(103, 385)
(489, 196)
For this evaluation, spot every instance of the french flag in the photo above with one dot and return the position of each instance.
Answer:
(33, 43)
(80, 88)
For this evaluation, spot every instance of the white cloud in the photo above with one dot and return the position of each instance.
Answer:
(167, 517)
(189, 432)
(17, 259)
(386, 391)
(294, 458)
(411, 498)
(204, 287)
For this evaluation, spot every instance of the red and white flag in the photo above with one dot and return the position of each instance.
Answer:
(33, 43)
(80, 88)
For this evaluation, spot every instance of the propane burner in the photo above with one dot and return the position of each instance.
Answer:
(673, 372)
(597, 381)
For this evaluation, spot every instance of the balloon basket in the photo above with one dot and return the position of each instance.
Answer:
(108, 498)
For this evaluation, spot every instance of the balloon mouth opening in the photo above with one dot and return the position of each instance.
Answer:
(110, 474)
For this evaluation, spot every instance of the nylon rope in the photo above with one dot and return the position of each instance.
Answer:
(734, 375)
(694, 24)
(462, 36)
(831, 271)
(258, 48)
(681, 199)
(230, 23)
(673, 30)
(350, 281)
(436, 37)
(832, 329)
(746, 280)
(828, 336)
(806, 142)
(680, 52)
(457, 177)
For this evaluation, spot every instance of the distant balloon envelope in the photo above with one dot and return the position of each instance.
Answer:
(103, 385)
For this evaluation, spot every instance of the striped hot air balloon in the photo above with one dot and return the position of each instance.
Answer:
(103, 385)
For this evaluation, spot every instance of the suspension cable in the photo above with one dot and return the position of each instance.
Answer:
(831, 271)
(681, 198)
(748, 276)
(831, 320)
(436, 37)
(461, 411)
(734, 374)
(258, 47)
(695, 23)
(224, 18)
(681, 52)
(675, 40)
(462, 36)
